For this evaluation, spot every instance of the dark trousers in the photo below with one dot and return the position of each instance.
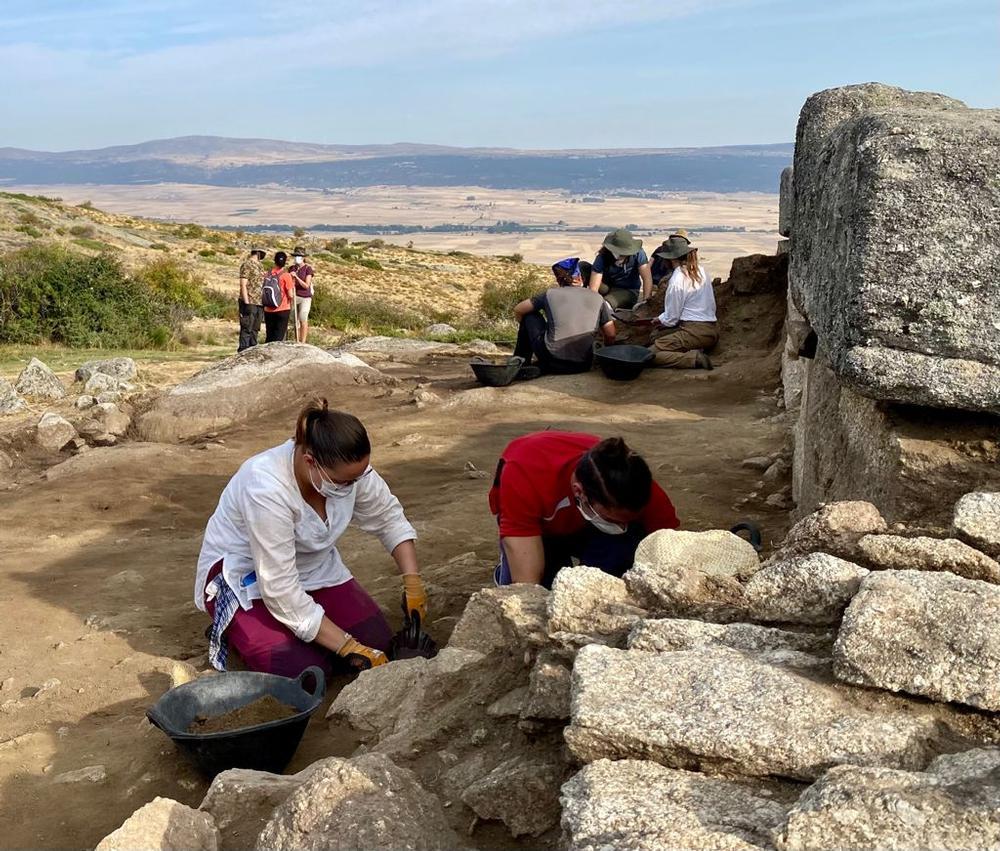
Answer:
(276, 324)
(250, 318)
(531, 343)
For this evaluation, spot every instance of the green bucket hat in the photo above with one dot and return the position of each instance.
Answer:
(621, 243)
(674, 248)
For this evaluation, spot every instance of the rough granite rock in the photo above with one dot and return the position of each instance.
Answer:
(548, 695)
(242, 801)
(111, 419)
(697, 574)
(893, 552)
(644, 806)
(38, 381)
(931, 634)
(589, 603)
(362, 803)
(84, 402)
(10, 401)
(53, 432)
(415, 351)
(897, 241)
(257, 381)
(102, 382)
(163, 825)
(718, 710)
(505, 620)
(786, 201)
(813, 590)
(121, 368)
(522, 792)
(834, 528)
(954, 804)
(977, 521)
(668, 635)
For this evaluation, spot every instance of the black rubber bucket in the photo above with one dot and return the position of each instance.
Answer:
(264, 747)
(493, 374)
(623, 363)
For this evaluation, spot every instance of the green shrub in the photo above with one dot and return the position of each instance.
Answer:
(298, 233)
(498, 299)
(52, 294)
(336, 244)
(375, 243)
(61, 231)
(27, 217)
(173, 282)
(92, 244)
(230, 250)
(31, 231)
(206, 252)
(86, 205)
(82, 230)
(361, 314)
(160, 246)
(368, 263)
(190, 231)
(216, 305)
(513, 258)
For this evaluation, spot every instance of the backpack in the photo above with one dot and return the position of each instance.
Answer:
(270, 291)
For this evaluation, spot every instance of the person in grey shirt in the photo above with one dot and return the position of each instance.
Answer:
(558, 326)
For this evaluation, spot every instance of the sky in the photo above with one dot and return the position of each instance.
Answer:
(513, 73)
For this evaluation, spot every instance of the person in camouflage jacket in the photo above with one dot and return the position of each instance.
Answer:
(251, 308)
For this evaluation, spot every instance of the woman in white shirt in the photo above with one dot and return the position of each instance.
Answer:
(688, 321)
(269, 572)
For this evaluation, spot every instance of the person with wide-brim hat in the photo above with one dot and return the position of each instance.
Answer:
(688, 325)
(620, 272)
(302, 273)
(658, 265)
(251, 309)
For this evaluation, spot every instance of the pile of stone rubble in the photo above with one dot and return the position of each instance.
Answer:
(840, 694)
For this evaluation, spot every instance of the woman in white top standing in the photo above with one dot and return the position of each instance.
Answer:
(688, 321)
(269, 573)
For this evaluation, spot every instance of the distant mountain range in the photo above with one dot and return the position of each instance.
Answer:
(219, 161)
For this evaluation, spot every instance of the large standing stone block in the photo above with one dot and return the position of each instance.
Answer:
(719, 710)
(668, 635)
(932, 634)
(786, 202)
(892, 552)
(40, 382)
(641, 805)
(897, 243)
(977, 520)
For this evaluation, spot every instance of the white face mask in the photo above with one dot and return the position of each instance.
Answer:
(330, 489)
(300, 260)
(608, 527)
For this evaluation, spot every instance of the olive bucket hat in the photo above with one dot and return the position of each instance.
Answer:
(621, 243)
(674, 248)
(299, 251)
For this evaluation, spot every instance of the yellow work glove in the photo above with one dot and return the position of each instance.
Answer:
(414, 596)
(360, 655)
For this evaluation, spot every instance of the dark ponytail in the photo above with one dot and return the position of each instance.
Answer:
(332, 437)
(613, 475)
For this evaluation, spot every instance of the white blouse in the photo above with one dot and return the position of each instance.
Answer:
(686, 301)
(274, 546)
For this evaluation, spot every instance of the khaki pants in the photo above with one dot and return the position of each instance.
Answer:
(677, 348)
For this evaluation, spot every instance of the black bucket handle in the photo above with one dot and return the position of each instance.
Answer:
(753, 533)
(319, 682)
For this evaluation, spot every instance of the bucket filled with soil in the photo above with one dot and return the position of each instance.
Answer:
(240, 719)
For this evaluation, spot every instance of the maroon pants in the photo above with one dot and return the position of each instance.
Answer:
(269, 646)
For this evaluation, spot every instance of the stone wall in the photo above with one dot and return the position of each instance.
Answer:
(893, 216)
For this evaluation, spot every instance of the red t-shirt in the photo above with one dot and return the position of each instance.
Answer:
(287, 291)
(534, 496)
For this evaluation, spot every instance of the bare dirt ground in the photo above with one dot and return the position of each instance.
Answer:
(96, 575)
(559, 215)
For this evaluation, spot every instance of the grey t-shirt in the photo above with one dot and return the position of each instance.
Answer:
(574, 314)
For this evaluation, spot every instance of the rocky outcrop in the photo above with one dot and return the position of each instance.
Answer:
(503, 620)
(977, 521)
(719, 710)
(759, 273)
(53, 432)
(894, 552)
(366, 802)
(101, 383)
(668, 635)
(163, 825)
(522, 792)
(589, 606)
(954, 804)
(692, 574)
(642, 805)
(834, 528)
(10, 400)
(122, 369)
(39, 382)
(900, 303)
(930, 634)
(257, 381)
(786, 201)
(406, 350)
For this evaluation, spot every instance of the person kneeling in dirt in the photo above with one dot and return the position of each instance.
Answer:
(270, 574)
(620, 271)
(559, 496)
(558, 326)
(688, 321)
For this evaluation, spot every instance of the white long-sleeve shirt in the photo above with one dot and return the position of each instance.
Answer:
(274, 546)
(687, 300)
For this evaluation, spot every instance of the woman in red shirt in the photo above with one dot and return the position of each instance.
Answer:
(276, 318)
(562, 495)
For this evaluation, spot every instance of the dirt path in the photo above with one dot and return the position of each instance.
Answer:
(96, 574)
